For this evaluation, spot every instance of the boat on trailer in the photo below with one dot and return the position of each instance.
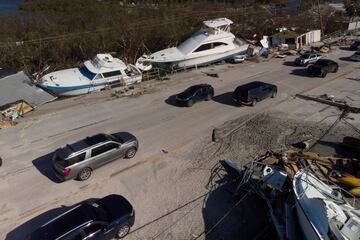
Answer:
(212, 43)
(94, 75)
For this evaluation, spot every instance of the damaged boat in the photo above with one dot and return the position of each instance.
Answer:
(302, 203)
(212, 43)
(94, 75)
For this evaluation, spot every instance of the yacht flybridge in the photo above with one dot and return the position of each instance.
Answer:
(213, 43)
(94, 75)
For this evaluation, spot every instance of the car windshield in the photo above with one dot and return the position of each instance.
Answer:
(322, 63)
(87, 73)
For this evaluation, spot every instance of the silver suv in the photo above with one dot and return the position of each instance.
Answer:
(307, 58)
(78, 160)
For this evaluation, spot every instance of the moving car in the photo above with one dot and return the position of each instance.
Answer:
(79, 159)
(106, 218)
(195, 94)
(253, 92)
(355, 56)
(355, 46)
(307, 58)
(322, 67)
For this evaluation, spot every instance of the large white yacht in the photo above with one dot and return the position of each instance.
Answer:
(213, 43)
(94, 75)
(322, 211)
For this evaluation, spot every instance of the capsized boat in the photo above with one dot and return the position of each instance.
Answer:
(94, 75)
(212, 43)
(322, 211)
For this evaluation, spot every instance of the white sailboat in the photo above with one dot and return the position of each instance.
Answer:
(213, 43)
(96, 74)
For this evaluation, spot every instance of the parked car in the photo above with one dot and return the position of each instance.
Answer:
(355, 46)
(237, 58)
(355, 56)
(78, 160)
(307, 58)
(195, 94)
(106, 218)
(253, 92)
(322, 67)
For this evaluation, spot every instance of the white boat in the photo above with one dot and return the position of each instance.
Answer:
(322, 211)
(213, 43)
(94, 75)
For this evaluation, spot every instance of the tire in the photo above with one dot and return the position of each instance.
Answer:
(336, 69)
(253, 102)
(123, 231)
(84, 174)
(190, 103)
(209, 97)
(130, 153)
(273, 94)
(323, 74)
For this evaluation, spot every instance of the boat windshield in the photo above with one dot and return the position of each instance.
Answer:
(87, 73)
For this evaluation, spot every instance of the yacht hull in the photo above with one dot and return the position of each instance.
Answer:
(307, 230)
(202, 60)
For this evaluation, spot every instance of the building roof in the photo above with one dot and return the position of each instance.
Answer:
(18, 86)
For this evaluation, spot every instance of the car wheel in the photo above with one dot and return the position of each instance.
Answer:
(84, 174)
(130, 153)
(323, 74)
(336, 69)
(253, 102)
(273, 94)
(209, 97)
(190, 103)
(123, 231)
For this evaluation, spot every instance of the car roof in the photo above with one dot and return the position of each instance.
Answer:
(322, 61)
(254, 84)
(83, 144)
(70, 220)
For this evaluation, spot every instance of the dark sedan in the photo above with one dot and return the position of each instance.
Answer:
(322, 67)
(102, 219)
(195, 94)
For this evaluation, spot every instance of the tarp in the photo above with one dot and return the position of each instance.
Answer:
(18, 86)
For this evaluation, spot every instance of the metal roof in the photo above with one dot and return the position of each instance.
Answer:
(18, 86)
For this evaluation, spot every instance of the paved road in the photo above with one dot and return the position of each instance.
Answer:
(27, 186)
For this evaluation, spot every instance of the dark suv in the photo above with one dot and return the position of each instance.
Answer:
(101, 219)
(253, 92)
(355, 46)
(195, 94)
(79, 159)
(322, 67)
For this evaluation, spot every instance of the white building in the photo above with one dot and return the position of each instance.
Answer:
(295, 39)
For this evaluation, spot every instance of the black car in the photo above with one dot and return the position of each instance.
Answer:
(195, 94)
(322, 67)
(253, 92)
(102, 219)
(355, 46)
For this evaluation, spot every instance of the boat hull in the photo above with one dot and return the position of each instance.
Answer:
(306, 227)
(203, 60)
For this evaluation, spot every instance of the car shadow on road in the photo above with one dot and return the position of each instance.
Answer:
(300, 72)
(28, 227)
(345, 59)
(289, 63)
(171, 100)
(228, 214)
(345, 48)
(44, 165)
(225, 98)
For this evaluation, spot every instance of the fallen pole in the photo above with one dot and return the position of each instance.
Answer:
(342, 106)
